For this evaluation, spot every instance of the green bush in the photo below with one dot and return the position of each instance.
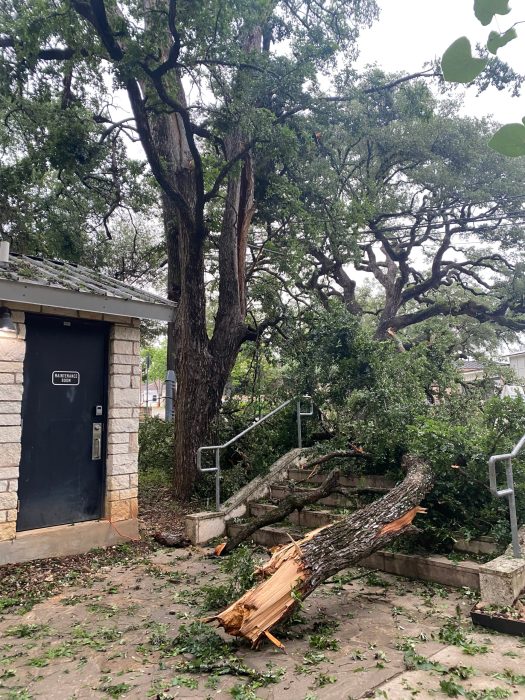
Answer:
(461, 502)
(391, 403)
(156, 445)
(240, 463)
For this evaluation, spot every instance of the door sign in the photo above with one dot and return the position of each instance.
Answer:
(65, 378)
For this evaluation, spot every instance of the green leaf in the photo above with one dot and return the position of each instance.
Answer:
(486, 9)
(509, 140)
(497, 41)
(458, 64)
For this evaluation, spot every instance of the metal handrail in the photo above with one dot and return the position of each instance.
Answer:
(509, 491)
(217, 468)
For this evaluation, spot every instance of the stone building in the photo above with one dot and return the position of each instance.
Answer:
(69, 406)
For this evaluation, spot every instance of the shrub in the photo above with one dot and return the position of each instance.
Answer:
(156, 445)
(391, 403)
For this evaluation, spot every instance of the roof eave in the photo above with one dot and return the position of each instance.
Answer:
(42, 295)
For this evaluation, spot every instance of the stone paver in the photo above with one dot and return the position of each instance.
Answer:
(506, 654)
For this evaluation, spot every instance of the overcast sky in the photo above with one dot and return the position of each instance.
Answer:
(410, 32)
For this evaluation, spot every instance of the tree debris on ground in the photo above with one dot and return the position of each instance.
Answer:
(297, 569)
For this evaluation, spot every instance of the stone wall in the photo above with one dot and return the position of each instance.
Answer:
(11, 384)
(122, 425)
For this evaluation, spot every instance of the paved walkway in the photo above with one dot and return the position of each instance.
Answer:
(114, 638)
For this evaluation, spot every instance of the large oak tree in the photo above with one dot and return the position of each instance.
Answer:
(211, 86)
(403, 214)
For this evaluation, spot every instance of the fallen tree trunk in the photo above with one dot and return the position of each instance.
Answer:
(296, 569)
(285, 507)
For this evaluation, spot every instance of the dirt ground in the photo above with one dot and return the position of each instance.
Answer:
(127, 623)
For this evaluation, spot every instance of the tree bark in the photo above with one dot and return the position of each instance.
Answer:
(202, 365)
(297, 569)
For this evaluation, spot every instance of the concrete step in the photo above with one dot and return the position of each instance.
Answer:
(305, 518)
(268, 536)
(334, 500)
(359, 481)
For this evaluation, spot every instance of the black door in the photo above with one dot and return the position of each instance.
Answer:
(62, 469)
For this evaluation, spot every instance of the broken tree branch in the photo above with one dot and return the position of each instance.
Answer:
(297, 569)
(286, 506)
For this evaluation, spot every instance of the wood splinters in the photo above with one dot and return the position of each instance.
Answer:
(296, 569)
(403, 521)
(274, 640)
(218, 549)
(295, 545)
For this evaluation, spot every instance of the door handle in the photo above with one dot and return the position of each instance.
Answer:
(96, 441)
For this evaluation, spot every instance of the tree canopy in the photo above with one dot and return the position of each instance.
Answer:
(210, 87)
(395, 191)
(282, 174)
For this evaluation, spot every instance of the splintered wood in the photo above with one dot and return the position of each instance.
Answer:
(402, 522)
(296, 569)
(262, 607)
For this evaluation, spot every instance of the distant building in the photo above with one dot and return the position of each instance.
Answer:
(517, 363)
(153, 394)
(473, 370)
(153, 399)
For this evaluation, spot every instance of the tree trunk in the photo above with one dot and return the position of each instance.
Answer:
(296, 570)
(201, 367)
(171, 140)
(169, 215)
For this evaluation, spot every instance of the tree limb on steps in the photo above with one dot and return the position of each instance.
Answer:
(311, 467)
(286, 506)
(297, 569)
(293, 501)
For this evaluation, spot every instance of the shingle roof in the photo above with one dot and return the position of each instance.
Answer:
(37, 280)
(471, 366)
